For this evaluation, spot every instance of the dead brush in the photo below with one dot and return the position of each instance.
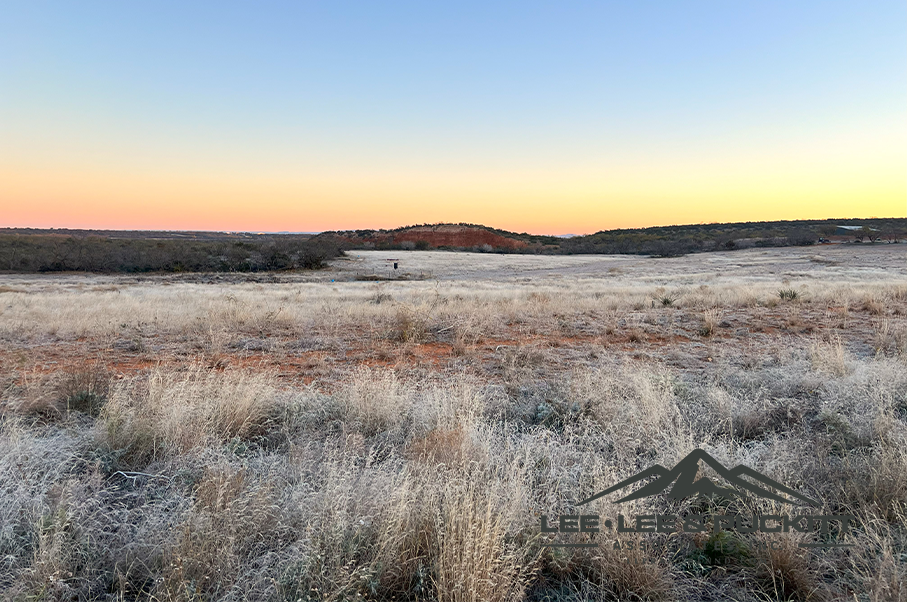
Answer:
(167, 412)
(467, 333)
(230, 516)
(56, 556)
(538, 298)
(785, 571)
(32, 394)
(473, 558)
(879, 481)
(873, 306)
(441, 446)
(889, 581)
(709, 323)
(375, 401)
(636, 335)
(633, 574)
(379, 295)
(635, 406)
(878, 562)
(366, 534)
(838, 316)
(608, 573)
(756, 424)
(890, 339)
(85, 389)
(410, 325)
(831, 357)
(519, 363)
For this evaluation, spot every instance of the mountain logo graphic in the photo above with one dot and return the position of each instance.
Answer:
(683, 475)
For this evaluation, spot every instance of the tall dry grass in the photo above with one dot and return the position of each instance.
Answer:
(190, 481)
(431, 491)
(411, 311)
(174, 412)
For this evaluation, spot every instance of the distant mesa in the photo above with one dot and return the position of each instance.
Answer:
(438, 236)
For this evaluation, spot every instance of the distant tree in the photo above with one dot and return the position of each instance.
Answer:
(867, 232)
(801, 237)
(827, 230)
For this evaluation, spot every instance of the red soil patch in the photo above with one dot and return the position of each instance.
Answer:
(760, 328)
(457, 236)
(443, 236)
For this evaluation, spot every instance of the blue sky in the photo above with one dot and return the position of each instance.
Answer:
(448, 106)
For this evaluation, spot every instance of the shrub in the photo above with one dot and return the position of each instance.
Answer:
(831, 357)
(85, 389)
(784, 571)
(788, 294)
(410, 325)
(667, 300)
(709, 324)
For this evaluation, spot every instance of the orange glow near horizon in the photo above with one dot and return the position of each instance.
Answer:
(248, 205)
(852, 176)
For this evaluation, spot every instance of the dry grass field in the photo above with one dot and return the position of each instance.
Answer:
(320, 436)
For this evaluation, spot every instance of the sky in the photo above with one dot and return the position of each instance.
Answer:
(544, 117)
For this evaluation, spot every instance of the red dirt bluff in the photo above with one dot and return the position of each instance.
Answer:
(433, 237)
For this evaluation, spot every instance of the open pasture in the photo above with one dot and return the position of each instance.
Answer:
(324, 436)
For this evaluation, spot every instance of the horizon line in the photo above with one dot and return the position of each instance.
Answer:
(313, 232)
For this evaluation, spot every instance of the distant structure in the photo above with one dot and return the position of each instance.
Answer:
(859, 232)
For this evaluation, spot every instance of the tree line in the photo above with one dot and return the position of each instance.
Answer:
(55, 253)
